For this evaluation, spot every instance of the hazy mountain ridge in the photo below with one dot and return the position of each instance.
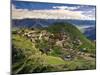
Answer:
(90, 33)
(46, 22)
(51, 21)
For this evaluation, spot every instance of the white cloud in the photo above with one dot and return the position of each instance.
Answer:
(49, 14)
(82, 28)
(89, 14)
(66, 7)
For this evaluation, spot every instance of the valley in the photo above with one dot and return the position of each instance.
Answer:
(58, 47)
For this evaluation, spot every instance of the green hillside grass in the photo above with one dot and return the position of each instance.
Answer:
(21, 42)
(74, 33)
(81, 64)
(54, 60)
(27, 58)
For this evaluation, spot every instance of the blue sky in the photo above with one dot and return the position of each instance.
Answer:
(86, 10)
(39, 5)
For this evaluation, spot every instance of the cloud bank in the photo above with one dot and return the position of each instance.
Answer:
(59, 12)
(66, 7)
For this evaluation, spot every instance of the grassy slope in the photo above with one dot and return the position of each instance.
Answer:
(34, 59)
(28, 49)
(21, 42)
(74, 32)
(54, 60)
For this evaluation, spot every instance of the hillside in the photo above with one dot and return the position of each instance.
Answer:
(58, 47)
(73, 33)
(28, 23)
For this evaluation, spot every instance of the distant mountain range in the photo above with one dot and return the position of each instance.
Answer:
(88, 26)
(90, 33)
